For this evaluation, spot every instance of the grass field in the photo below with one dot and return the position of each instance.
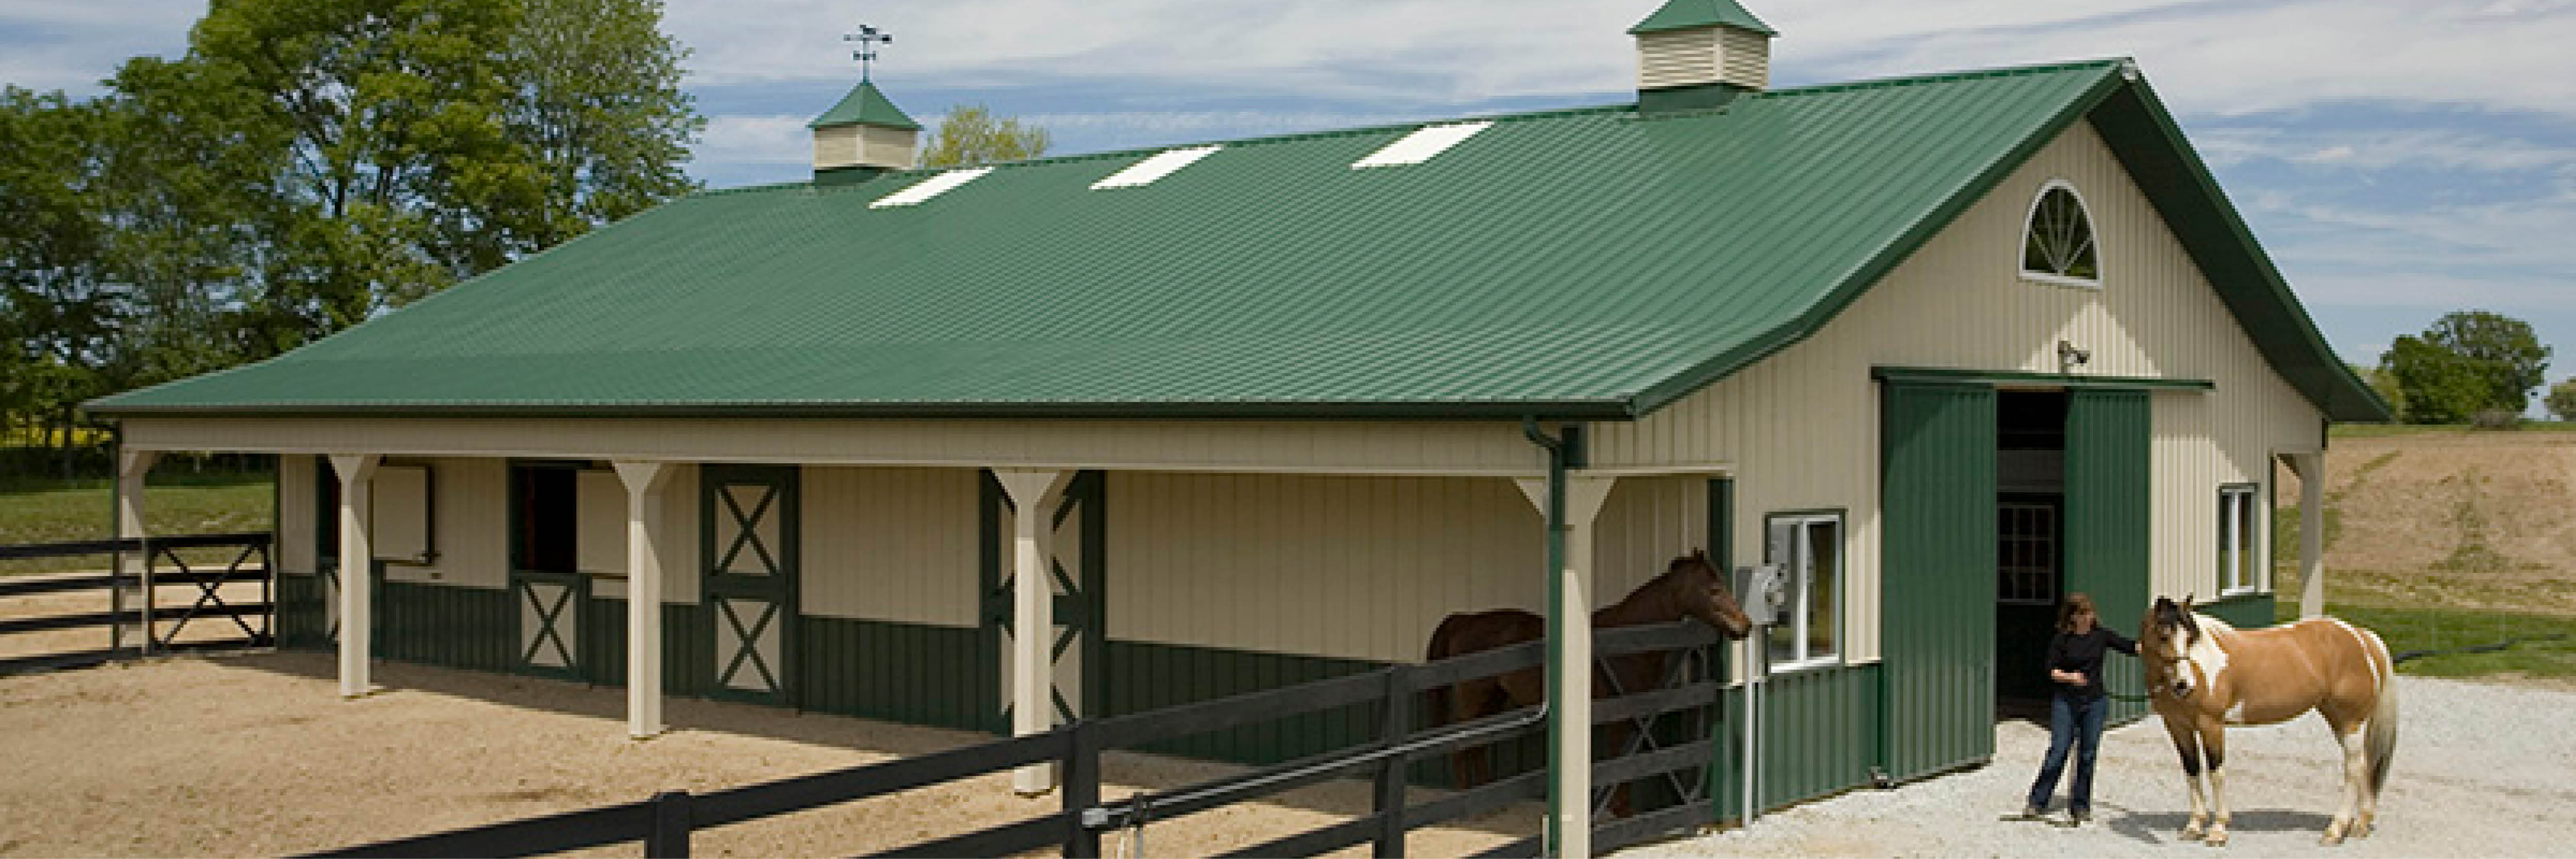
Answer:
(60, 511)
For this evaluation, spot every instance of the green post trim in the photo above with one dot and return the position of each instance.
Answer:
(1551, 836)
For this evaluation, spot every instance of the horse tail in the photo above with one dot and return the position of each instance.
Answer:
(2379, 742)
(1438, 696)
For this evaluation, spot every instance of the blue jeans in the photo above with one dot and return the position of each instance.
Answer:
(2072, 722)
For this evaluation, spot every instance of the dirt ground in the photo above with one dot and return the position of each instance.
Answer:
(2482, 520)
(256, 754)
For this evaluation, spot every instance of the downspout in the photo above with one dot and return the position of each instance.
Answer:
(1556, 456)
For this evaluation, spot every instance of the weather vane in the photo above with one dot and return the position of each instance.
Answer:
(868, 38)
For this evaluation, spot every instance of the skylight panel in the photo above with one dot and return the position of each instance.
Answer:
(1422, 144)
(1162, 164)
(927, 188)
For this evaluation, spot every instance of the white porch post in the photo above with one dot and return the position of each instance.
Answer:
(1570, 704)
(357, 611)
(644, 496)
(2311, 468)
(131, 466)
(1033, 495)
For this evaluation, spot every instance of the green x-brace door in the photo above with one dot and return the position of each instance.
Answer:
(1080, 646)
(748, 544)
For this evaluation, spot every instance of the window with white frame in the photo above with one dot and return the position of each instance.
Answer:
(2240, 556)
(2057, 242)
(1809, 549)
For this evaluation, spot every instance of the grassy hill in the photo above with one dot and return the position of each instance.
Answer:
(2444, 538)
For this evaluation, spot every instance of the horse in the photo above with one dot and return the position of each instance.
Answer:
(1690, 586)
(2204, 675)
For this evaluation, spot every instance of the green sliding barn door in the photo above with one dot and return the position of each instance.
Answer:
(748, 540)
(1938, 576)
(2108, 475)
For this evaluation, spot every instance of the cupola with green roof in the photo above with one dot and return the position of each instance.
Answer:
(863, 135)
(1699, 54)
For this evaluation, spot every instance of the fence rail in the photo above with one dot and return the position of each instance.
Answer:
(162, 565)
(665, 822)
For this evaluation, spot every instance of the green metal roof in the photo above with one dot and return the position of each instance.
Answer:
(865, 106)
(1574, 264)
(1688, 14)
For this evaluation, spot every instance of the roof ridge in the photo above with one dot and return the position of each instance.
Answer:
(1952, 76)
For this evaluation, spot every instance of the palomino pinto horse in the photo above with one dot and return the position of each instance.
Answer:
(1690, 586)
(2205, 675)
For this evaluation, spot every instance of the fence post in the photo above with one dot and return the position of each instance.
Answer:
(1081, 788)
(669, 838)
(1396, 723)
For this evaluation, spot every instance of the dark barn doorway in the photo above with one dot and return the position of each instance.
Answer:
(2030, 542)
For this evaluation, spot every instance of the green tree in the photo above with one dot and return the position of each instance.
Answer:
(2467, 362)
(2382, 383)
(62, 304)
(2562, 400)
(970, 135)
(598, 101)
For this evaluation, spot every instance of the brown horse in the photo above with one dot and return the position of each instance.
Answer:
(2205, 675)
(1690, 586)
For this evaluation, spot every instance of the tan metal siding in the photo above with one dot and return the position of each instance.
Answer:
(890, 544)
(1745, 58)
(837, 146)
(1349, 567)
(887, 147)
(599, 545)
(1677, 58)
(1311, 446)
(1801, 428)
(295, 514)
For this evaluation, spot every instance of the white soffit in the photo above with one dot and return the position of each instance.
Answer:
(1422, 144)
(931, 187)
(1161, 164)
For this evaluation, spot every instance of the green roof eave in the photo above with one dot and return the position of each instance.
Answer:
(865, 106)
(1693, 14)
(2161, 161)
(1611, 410)
(2144, 136)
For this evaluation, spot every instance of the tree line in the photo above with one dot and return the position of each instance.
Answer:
(305, 165)
(2472, 367)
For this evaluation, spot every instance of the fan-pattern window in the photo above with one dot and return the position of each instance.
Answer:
(2058, 243)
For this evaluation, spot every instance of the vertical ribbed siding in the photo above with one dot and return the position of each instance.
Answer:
(920, 674)
(1819, 735)
(687, 652)
(1152, 676)
(1939, 503)
(454, 627)
(2108, 468)
(302, 622)
(890, 544)
(297, 518)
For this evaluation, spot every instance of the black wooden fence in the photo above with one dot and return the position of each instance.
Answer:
(133, 595)
(664, 823)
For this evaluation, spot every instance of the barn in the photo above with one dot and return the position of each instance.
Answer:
(1229, 416)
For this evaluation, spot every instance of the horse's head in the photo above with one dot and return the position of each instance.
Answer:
(2164, 642)
(1703, 593)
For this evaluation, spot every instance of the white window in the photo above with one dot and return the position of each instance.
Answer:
(2240, 557)
(2057, 243)
(2026, 552)
(1809, 549)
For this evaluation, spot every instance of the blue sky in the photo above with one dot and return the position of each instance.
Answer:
(2399, 158)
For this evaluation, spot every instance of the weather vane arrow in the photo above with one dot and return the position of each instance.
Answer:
(867, 38)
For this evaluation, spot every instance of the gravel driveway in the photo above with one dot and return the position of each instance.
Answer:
(2481, 770)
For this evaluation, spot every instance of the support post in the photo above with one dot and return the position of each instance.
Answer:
(357, 558)
(1394, 726)
(131, 467)
(644, 502)
(1572, 502)
(1033, 497)
(2311, 468)
(671, 824)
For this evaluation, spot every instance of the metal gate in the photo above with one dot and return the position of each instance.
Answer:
(1080, 646)
(748, 540)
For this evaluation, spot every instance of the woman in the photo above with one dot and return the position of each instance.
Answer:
(2075, 712)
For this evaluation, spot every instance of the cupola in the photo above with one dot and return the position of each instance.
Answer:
(1694, 54)
(863, 136)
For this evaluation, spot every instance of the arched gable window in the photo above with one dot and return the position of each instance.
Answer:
(2057, 242)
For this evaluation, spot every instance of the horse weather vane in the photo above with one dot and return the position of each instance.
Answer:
(867, 38)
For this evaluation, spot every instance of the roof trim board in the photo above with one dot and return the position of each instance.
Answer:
(1590, 410)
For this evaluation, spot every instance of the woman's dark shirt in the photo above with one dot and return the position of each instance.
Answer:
(2083, 653)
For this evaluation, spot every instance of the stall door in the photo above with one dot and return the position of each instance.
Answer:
(747, 517)
(1079, 648)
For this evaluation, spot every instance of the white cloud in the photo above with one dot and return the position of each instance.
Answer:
(2412, 148)
(756, 140)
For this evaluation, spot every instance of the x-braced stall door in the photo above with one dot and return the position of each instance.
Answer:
(749, 541)
(1077, 642)
(547, 588)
